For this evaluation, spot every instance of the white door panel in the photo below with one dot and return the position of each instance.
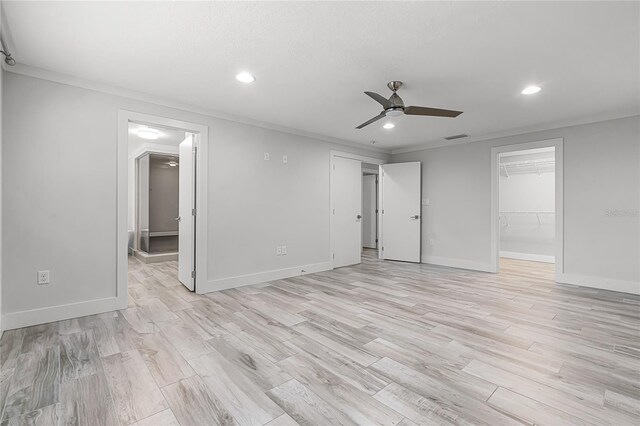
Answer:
(347, 218)
(186, 204)
(369, 206)
(401, 211)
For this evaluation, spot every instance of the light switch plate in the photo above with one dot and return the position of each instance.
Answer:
(425, 201)
(284, 250)
(266, 156)
(278, 251)
(284, 159)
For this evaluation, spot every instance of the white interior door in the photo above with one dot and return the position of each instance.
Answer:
(369, 206)
(401, 211)
(186, 206)
(347, 213)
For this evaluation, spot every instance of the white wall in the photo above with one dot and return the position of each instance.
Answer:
(60, 145)
(527, 236)
(601, 173)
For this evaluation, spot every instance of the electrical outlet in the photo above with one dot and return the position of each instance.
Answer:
(425, 202)
(266, 156)
(284, 159)
(284, 250)
(278, 251)
(43, 277)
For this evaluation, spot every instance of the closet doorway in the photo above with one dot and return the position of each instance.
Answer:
(527, 202)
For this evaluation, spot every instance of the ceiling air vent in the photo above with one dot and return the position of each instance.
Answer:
(450, 138)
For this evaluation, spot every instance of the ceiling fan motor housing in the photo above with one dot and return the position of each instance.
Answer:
(397, 106)
(394, 112)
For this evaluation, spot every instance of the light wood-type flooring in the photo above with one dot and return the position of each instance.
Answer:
(381, 343)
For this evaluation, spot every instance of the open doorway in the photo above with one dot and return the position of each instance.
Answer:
(527, 201)
(370, 210)
(153, 190)
(163, 196)
(347, 177)
(375, 210)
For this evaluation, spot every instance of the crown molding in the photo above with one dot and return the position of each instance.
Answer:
(69, 80)
(521, 131)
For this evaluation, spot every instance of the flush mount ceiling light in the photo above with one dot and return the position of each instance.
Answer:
(389, 126)
(530, 90)
(148, 133)
(172, 163)
(245, 77)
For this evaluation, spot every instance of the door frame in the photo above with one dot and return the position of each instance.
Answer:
(201, 133)
(332, 187)
(375, 173)
(556, 143)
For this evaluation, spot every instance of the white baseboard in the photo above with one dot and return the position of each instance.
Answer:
(163, 234)
(458, 263)
(261, 277)
(31, 317)
(528, 256)
(600, 283)
(155, 258)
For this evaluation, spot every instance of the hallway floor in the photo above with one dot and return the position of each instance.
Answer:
(378, 343)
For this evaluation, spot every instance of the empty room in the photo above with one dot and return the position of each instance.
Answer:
(319, 213)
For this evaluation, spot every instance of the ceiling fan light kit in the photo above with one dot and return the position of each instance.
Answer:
(394, 107)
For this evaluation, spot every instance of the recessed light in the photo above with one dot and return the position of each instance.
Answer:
(389, 126)
(245, 77)
(148, 133)
(530, 90)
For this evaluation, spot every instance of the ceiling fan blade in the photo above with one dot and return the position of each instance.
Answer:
(376, 118)
(380, 99)
(435, 112)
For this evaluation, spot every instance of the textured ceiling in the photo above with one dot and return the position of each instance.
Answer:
(313, 60)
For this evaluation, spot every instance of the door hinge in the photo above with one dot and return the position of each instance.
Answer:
(376, 240)
(334, 167)
(193, 274)
(193, 212)
(334, 211)
(334, 255)
(383, 248)
(382, 211)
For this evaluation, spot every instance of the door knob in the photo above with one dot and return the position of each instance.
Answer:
(177, 219)
(414, 217)
(359, 217)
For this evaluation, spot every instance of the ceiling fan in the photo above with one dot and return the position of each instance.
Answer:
(394, 106)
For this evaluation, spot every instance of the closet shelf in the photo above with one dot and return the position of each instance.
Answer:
(525, 213)
(529, 166)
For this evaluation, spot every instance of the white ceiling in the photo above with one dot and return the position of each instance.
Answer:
(313, 60)
(167, 137)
